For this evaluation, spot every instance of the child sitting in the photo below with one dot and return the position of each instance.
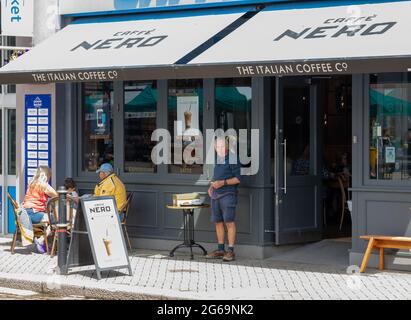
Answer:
(72, 194)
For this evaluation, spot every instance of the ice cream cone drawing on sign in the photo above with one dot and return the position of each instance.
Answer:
(107, 243)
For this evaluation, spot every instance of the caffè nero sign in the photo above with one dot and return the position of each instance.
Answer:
(326, 33)
(341, 27)
(97, 237)
(75, 76)
(123, 39)
(293, 69)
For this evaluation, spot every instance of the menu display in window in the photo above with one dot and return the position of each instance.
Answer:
(187, 115)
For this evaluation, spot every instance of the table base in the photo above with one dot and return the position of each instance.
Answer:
(188, 234)
(191, 246)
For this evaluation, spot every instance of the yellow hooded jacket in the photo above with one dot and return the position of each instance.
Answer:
(112, 186)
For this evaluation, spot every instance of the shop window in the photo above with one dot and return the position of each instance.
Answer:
(1, 140)
(185, 107)
(97, 121)
(140, 120)
(11, 145)
(297, 127)
(11, 88)
(390, 127)
(233, 104)
(10, 55)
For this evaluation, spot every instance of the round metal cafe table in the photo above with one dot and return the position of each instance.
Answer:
(188, 218)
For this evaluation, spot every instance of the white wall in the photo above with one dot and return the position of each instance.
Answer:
(22, 90)
(46, 19)
(46, 23)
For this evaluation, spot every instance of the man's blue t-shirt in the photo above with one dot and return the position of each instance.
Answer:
(227, 171)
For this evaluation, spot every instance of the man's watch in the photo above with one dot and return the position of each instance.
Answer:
(225, 182)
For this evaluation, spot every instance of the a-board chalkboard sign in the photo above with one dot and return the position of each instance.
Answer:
(97, 237)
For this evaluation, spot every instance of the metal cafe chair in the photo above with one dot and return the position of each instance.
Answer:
(39, 229)
(124, 221)
(52, 211)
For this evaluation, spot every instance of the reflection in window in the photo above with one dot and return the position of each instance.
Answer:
(390, 127)
(185, 105)
(10, 55)
(11, 88)
(11, 145)
(140, 115)
(233, 103)
(296, 102)
(1, 140)
(97, 101)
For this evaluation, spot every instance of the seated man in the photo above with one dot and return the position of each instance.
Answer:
(111, 185)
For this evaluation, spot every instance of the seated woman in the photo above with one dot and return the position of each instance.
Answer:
(35, 200)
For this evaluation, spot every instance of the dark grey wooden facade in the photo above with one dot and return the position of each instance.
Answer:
(378, 207)
(149, 217)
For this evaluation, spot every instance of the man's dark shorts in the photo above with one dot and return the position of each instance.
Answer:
(223, 208)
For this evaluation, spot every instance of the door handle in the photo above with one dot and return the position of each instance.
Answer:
(285, 166)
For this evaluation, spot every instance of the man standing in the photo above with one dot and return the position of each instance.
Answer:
(223, 193)
(111, 185)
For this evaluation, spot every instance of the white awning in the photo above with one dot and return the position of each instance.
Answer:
(358, 36)
(100, 50)
(341, 39)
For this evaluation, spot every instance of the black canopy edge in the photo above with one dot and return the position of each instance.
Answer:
(214, 70)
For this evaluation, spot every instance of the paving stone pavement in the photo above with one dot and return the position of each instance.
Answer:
(155, 275)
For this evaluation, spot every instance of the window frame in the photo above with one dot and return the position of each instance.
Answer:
(204, 175)
(9, 142)
(81, 174)
(162, 176)
(403, 76)
(3, 150)
(133, 176)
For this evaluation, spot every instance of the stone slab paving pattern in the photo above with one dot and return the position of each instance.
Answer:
(155, 275)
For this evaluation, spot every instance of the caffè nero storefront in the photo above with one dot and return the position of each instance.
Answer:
(328, 86)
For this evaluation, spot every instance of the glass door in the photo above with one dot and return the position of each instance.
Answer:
(2, 193)
(298, 173)
(10, 165)
(7, 168)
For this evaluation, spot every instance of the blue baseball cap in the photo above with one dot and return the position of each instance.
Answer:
(105, 167)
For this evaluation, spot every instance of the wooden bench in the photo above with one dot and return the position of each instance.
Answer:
(381, 243)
